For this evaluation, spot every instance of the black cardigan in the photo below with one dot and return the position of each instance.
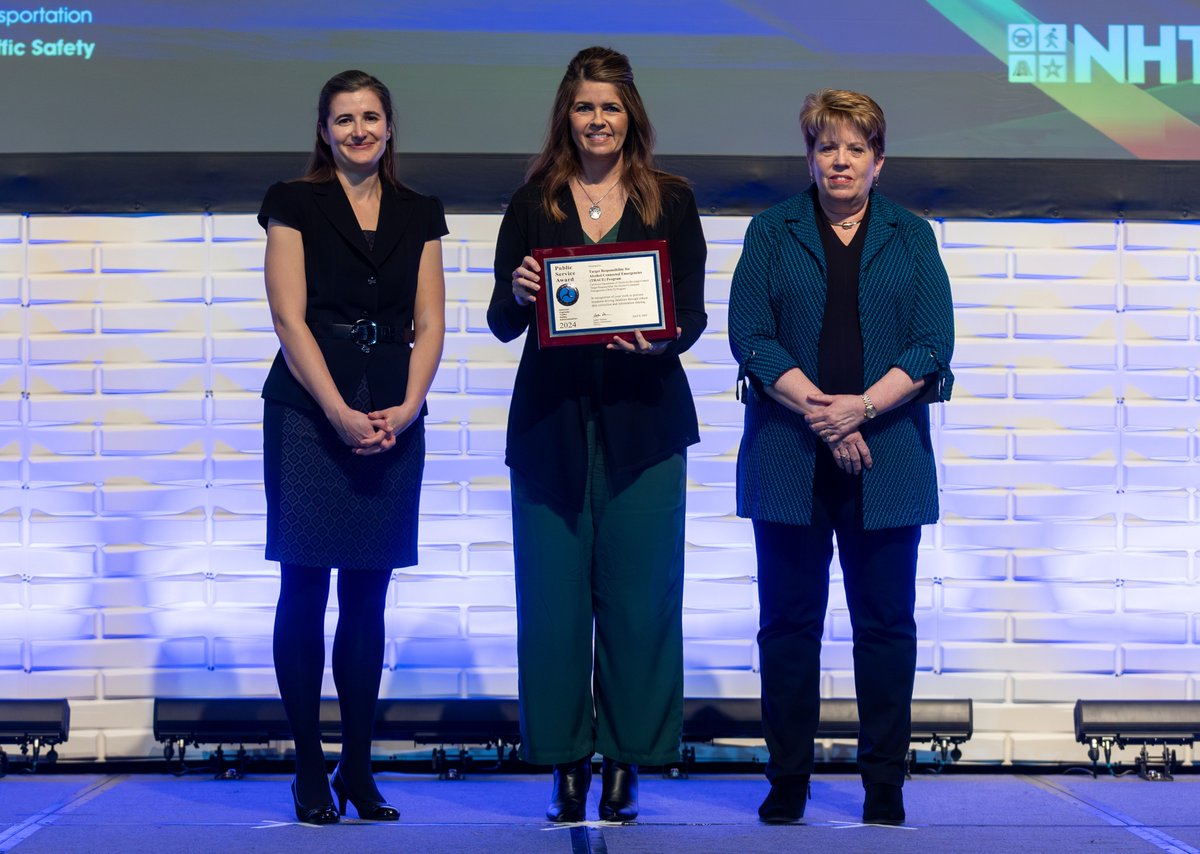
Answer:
(347, 281)
(645, 409)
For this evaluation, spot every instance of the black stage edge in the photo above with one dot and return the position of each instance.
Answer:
(481, 184)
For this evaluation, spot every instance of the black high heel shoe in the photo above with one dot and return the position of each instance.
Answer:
(568, 801)
(323, 814)
(371, 809)
(619, 795)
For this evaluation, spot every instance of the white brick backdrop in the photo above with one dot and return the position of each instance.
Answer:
(131, 507)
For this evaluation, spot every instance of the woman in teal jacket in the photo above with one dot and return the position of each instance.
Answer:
(840, 318)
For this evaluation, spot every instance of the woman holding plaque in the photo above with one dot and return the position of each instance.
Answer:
(596, 446)
(841, 321)
(354, 274)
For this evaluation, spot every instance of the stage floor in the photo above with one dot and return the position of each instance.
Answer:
(61, 813)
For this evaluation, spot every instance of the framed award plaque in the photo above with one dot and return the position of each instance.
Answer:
(591, 293)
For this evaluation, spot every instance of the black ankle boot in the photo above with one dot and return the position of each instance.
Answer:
(786, 801)
(619, 792)
(883, 804)
(568, 800)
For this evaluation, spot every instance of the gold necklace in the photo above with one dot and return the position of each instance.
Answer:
(594, 211)
(846, 224)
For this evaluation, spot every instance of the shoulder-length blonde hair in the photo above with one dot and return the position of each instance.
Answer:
(841, 106)
(559, 161)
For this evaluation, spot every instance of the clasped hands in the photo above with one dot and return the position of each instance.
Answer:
(835, 419)
(526, 283)
(368, 433)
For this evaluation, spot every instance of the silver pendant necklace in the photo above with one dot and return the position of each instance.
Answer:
(594, 211)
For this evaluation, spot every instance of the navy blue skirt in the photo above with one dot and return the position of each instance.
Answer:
(329, 507)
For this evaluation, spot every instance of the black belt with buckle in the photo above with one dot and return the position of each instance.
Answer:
(365, 332)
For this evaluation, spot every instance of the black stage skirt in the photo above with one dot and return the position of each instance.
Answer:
(329, 507)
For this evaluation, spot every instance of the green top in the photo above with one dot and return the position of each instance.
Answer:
(610, 237)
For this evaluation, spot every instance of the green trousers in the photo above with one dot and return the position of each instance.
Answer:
(616, 565)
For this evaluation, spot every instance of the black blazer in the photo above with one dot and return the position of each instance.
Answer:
(645, 409)
(348, 280)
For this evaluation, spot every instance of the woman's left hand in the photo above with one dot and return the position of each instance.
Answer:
(639, 344)
(835, 416)
(852, 454)
(392, 422)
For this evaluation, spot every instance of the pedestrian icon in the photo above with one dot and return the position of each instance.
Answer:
(1052, 37)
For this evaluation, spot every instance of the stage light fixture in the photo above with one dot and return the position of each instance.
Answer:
(183, 722)
(944, 724)
(1103, 724)
(180, 723)
(33, 724)
(492, 723)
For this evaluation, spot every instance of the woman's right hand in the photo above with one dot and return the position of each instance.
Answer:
(357, 431)
(526, 281)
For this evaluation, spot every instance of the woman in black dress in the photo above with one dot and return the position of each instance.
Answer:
(354, 274)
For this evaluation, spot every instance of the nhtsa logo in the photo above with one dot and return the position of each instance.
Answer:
(1042, 53)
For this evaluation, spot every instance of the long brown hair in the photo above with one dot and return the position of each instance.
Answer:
(321, 167)
(559, 161)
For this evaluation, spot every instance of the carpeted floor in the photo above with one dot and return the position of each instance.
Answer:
(60, 814)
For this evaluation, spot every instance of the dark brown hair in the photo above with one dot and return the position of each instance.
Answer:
(841, 106)
(559, 161)
(321, 167)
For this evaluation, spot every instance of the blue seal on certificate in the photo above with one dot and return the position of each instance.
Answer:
(567, 294)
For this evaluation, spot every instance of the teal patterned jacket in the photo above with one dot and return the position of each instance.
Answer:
(776, 308)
